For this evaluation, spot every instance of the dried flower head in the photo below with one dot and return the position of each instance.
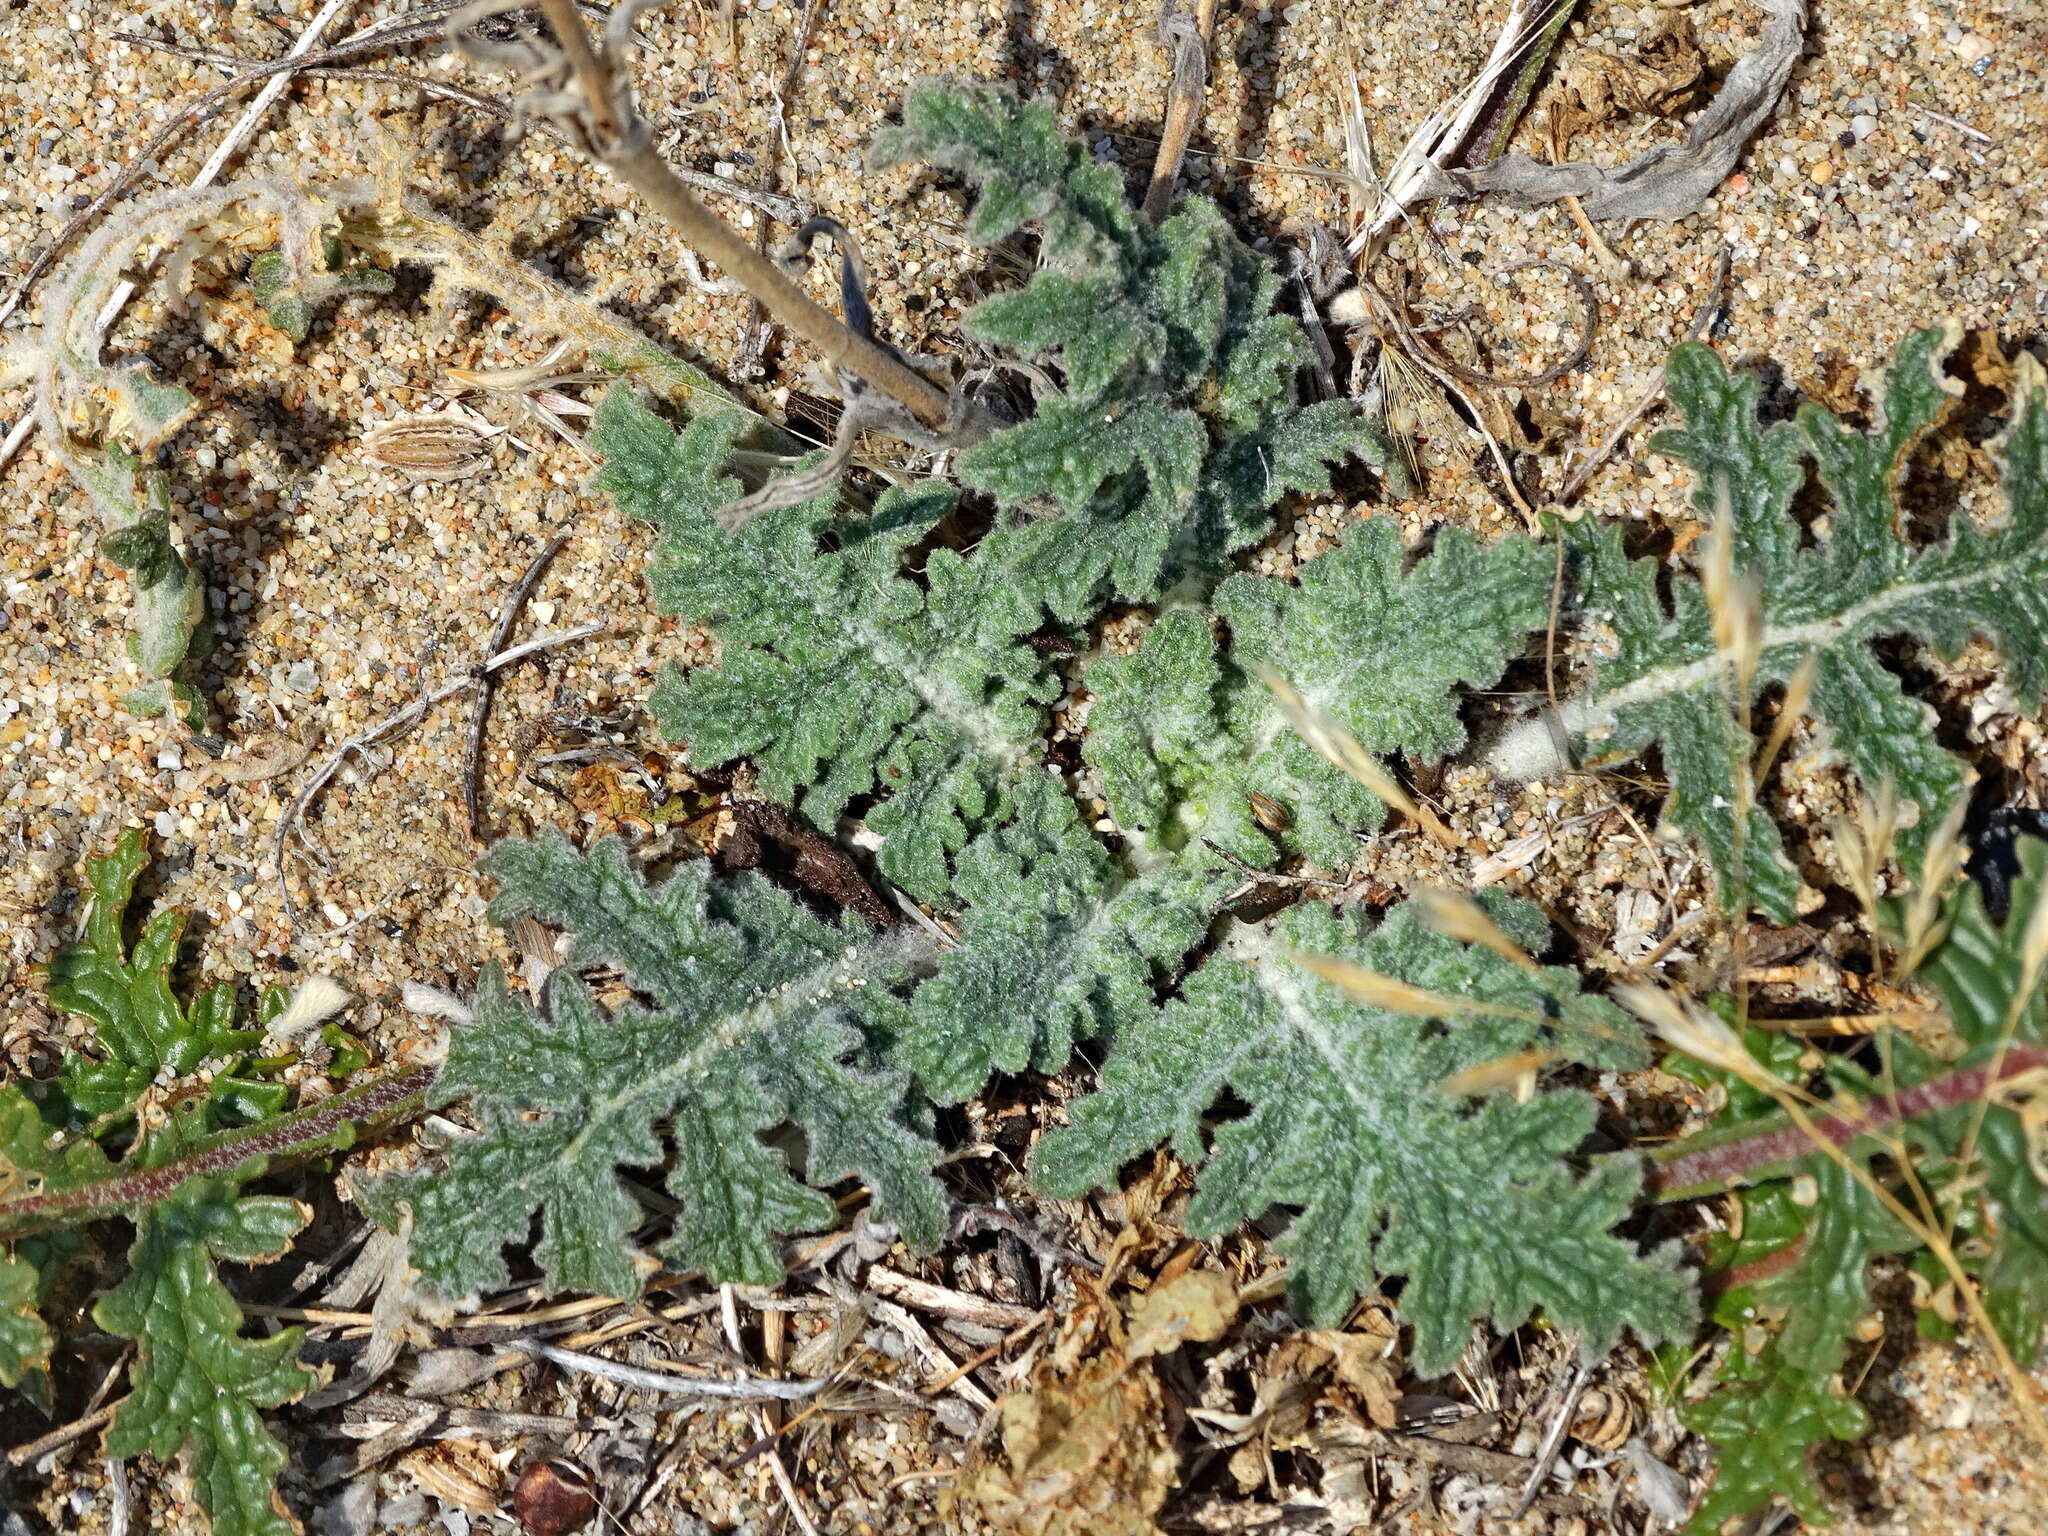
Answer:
(442, 445)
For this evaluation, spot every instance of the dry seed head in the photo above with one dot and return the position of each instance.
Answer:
(313, 1002)
(1798, 693)
(1457, 916)
(1377, 991)
(1339, 747)
(443, 445)
(1686, 1026)
(1864, 845)
(1270, 813)
(1925, 922)
(1517, 1071)
(1732, 601)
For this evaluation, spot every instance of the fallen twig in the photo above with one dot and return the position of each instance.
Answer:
(487, 685)
(393, 725)
(63, 1435)
(746, 1389)
(584, 92)
(927, 1297)
(1185, 35)
(1553, 1438)
(1710, 306)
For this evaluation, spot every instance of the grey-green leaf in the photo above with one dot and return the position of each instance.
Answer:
(761, 1015)
(1480, 1206)
(1828, 595)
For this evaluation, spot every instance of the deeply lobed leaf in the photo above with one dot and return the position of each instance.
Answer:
(1183, 736)
(761, 1015)
(140, 1026)
(1059, 944)
(1663, 681)
(841, 674)
(1972, 1159)
(1476, 1206)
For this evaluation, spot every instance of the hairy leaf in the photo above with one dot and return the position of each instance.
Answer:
(1059, 943)
(1475, 1204)
(1180, 424)
(760, 1015)
(1184, 736)
(1973, 1154)
(840, 673)
(1028, 171)
(1662, 680)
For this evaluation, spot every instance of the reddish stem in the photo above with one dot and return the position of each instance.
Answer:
(1709, 1164)
(333, 1122)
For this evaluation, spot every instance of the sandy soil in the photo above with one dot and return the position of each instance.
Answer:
(1902, 182)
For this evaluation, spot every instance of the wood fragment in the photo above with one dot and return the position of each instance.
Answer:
(744, 1389)
(1185, 35)
(921, 1340)
(927, 1297)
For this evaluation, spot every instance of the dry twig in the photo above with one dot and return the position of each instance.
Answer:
(1710, 306)
(1185, 35)
(487, 685)
(395, 725)
(584, 92)
(745, 1389)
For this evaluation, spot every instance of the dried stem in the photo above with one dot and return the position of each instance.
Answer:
(487, 685)
(1186, 36)
(393, 725)
(620, 141)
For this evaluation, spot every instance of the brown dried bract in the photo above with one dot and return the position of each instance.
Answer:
(441, 445)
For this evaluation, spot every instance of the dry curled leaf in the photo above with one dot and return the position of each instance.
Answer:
(1191, 1308)
(1671, 180)
(1087, 1457)
(1662, 78)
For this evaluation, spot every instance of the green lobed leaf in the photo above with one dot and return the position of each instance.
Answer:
(760, 1015)
(275, 290)
(141, 1028)
(1059, 944)
(1126, 480)
(1180, 425)
(1764, 1429)
(24, 1336)
(1476, 1205)
(1026, 169)
(197, 1384)
(1769, 1409)
(1663, 682)
(840, 673)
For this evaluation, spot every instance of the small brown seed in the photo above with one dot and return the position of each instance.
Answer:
(445, 446)
(1271, 814)
(554, 1496)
